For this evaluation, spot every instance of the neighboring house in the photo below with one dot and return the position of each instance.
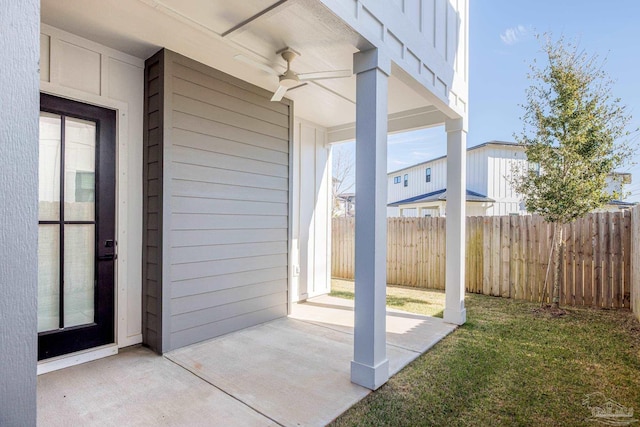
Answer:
(345, 205)
(179, 199)
(420, 190)
(343, 201)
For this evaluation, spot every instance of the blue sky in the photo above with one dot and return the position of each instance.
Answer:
(502, 45)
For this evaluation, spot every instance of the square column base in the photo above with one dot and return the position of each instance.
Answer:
(371, 377)
(457, 317)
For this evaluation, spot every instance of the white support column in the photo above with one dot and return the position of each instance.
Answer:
(370, 366)
(454, 311)
(20, 99)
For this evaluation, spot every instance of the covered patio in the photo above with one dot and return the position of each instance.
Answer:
(214, 215)
(290, 371)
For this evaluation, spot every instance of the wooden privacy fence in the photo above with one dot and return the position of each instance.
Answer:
(506, 256)
(635, 261)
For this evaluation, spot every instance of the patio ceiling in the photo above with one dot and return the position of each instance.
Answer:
(214, 31)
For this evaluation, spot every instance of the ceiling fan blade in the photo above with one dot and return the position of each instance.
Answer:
(279, 94)
(256, 64)
(325, 75)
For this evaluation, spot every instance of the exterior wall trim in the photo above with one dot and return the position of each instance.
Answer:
(77, 358)
(149, 288)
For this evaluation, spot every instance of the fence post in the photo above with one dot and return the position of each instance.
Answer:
(635, 261)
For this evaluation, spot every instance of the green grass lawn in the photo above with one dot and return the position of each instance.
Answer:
(508, 365)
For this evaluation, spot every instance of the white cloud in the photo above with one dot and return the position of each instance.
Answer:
(511, 36)
(423, 154)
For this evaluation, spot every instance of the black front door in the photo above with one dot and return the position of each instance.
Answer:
(76, 232)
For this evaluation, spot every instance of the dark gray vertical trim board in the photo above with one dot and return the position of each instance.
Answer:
(152, 205)
(19, 96)
(165, 225)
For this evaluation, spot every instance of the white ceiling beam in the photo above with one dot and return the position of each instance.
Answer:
(418, 118)
(247, 21)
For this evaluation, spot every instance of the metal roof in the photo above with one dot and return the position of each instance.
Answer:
(441, 195)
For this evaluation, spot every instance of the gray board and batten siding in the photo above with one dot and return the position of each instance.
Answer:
(216, 203)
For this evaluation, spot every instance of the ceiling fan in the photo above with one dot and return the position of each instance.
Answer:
(290, 79)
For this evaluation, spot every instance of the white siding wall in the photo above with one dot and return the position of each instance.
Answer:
(311, 222)
(473, 209)
(488, 171)
(616, 184)
(477, 175)
(476, 209)
(500, 162)
(427, 38)
(417, 180)
(76, 68)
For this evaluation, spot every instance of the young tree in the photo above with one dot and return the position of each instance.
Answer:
(574, 137)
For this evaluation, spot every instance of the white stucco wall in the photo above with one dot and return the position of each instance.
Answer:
(18, 211)
(79, 69)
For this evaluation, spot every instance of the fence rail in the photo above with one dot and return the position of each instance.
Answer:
(506, 256)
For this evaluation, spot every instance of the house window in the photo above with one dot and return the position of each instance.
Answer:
(428, 174)
(396, 180)
(406, 180)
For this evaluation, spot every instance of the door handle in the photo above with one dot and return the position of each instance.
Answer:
(108, 257)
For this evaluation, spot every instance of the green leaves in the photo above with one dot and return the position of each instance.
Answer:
(573, 130)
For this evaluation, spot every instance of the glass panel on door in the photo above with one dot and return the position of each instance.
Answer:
(49, 168)
(48, 277)
(79, 274)
(66, 244)
(79, 166)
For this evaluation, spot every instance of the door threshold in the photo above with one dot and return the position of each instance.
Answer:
(77, 358)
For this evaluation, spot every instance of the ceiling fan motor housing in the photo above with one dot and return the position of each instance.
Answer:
(289, 79)
(288, 54)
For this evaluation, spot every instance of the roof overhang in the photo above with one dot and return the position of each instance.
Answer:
(439, 196)
(213, 32)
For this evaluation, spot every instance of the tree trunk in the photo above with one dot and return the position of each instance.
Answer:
(558, 243)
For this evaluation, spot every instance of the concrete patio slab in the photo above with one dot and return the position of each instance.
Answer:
(136, 388)
(405, 330)
(295, 373)
(292, 371)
